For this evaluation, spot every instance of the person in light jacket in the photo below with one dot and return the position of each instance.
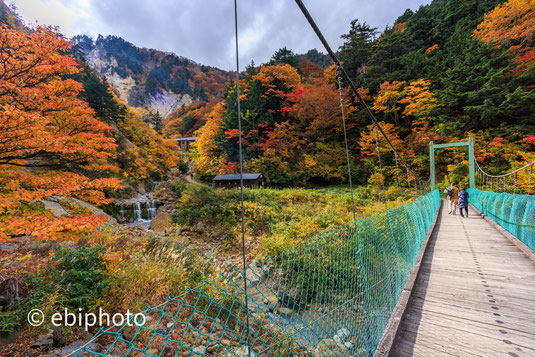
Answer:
(453, 198)
(463, 201)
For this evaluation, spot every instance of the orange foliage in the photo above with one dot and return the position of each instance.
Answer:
(368, 146)
(400, 27)
(511, 24)
(364, 93)
(174, 122)
(432, 48)
(387, 99)
(317, 113)
(418, 98)
(49, 138)
(283, 73)
(311, 71)
(205, 148)
(150, 154)
(282, 151)
(330, 74)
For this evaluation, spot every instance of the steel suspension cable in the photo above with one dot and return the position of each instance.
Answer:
(397, 169)
(503, 175)
(530, 175)
(380, 166)
(495, 179)
(241, 175)
(345, 140)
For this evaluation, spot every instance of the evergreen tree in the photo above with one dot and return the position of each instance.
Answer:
(479, 87)
(98, 95)
(356, 49)
(285, 55)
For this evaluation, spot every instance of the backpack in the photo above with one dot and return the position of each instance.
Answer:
(448, 191)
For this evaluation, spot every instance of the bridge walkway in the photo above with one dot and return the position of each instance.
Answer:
(474, 296)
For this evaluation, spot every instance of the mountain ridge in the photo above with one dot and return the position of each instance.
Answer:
(155, 80)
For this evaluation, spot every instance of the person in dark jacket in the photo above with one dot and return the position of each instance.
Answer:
(463, 201)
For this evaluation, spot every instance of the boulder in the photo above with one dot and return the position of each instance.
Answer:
(55, 207)
(199, 227)
(44, 341)
(53, 338)
(8, 247)
(285, 311)
(329, 348)
(244, 351)
(162, 220)
(76, 345)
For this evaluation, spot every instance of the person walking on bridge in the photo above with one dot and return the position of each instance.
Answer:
(453, 197)
(463, 201)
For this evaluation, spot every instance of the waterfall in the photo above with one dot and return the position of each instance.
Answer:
(137, 211)
(121, 212)
(151, 209)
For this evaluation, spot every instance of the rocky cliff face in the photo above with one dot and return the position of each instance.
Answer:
(158, 81)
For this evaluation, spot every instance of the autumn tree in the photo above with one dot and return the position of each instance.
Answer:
(368, 146)
(311, 72)
(51, 143)
(265, 93)
(367, 142)
(206, 153)
(387, 99)
(317, 113)
(511, 25)
(356, 50)
(282, 159)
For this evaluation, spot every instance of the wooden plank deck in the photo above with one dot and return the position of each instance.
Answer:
(474, 296)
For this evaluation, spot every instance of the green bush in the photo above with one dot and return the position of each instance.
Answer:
(80, 274)
(208, 205)
(178, 186)
(76, 278)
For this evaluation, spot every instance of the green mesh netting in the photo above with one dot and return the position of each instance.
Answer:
(331, 296)
(515, 213)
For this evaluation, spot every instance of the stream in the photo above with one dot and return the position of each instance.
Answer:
(139, 213)
(139, 210)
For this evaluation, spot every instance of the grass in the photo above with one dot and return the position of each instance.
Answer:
(278, 218)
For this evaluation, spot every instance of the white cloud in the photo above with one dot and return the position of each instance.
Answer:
(203, 30)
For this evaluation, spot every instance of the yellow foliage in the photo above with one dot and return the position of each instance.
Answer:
(377, 179)
(282, 72)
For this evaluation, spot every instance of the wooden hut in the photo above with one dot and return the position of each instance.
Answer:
(184, 143)
(233, 180)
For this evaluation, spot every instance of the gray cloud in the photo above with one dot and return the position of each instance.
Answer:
(203, 30)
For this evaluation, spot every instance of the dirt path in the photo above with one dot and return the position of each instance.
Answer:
(189, 178)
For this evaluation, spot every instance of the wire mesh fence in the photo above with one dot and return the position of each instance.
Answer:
(514, 212)
(331, 296)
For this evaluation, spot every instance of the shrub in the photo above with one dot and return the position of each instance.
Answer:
(76, 278)
(178, 186)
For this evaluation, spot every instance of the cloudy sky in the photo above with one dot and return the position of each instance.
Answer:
(203, 30)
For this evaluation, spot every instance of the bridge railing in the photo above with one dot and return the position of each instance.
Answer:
(331, 296)
(514, 212)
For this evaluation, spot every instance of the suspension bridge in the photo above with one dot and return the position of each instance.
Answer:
(409, 281)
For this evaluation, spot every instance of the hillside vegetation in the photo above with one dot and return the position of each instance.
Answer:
(82, 125)
(450, 70)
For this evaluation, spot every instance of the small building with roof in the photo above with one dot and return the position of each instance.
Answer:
(233, 180)
(184, 143)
